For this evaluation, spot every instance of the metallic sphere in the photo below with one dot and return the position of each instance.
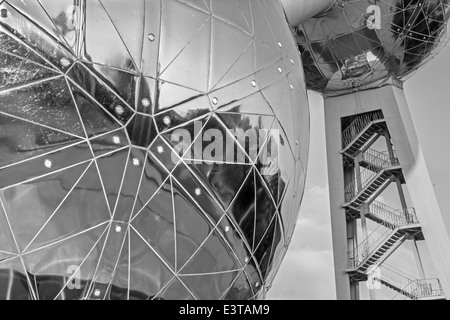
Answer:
(368, 43)
(148, 149)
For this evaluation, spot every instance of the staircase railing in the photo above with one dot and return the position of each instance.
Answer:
(379, 159)
(400, 296)
(395, 277)
(369, 245)
(359, 183)
(378, 162)
(379, 236)
(408, 287)
(428, 288)
(358, 125)
(420, 289)
(398, 218)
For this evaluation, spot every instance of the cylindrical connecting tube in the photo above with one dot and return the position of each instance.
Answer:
(298, 11)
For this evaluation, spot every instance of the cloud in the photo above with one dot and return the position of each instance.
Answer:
(307, 271)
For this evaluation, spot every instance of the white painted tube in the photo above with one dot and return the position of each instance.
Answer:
(298, 11)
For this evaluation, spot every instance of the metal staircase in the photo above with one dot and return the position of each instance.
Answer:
(376, 160)
(391, 218)
(373, 171)
(383, 214)
(377, 247)
(365, 129)
(408, 287)
(380, 170)
(428, 289)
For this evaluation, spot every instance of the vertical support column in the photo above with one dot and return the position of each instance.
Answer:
(418, 259)
(364, 211)
(346, 290)
(352, 241)
(401, 194)
(358, 172)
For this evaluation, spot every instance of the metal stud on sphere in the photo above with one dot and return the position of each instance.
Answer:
(106, 91)
(367, 44)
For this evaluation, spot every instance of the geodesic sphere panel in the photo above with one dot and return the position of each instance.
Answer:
(149, 149)
(366, 44)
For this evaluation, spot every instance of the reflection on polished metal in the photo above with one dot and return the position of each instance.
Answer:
(357, 53)
(367, 43)
(298, 11)
(94, 90)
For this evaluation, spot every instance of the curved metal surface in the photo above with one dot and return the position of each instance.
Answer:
(299, 11)
(368, 43)
(96, 201)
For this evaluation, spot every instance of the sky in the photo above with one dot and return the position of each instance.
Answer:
(307, 272)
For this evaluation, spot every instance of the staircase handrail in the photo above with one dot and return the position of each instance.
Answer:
(358, 125)
(368, 246)
(369, 174)
(399, 218)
